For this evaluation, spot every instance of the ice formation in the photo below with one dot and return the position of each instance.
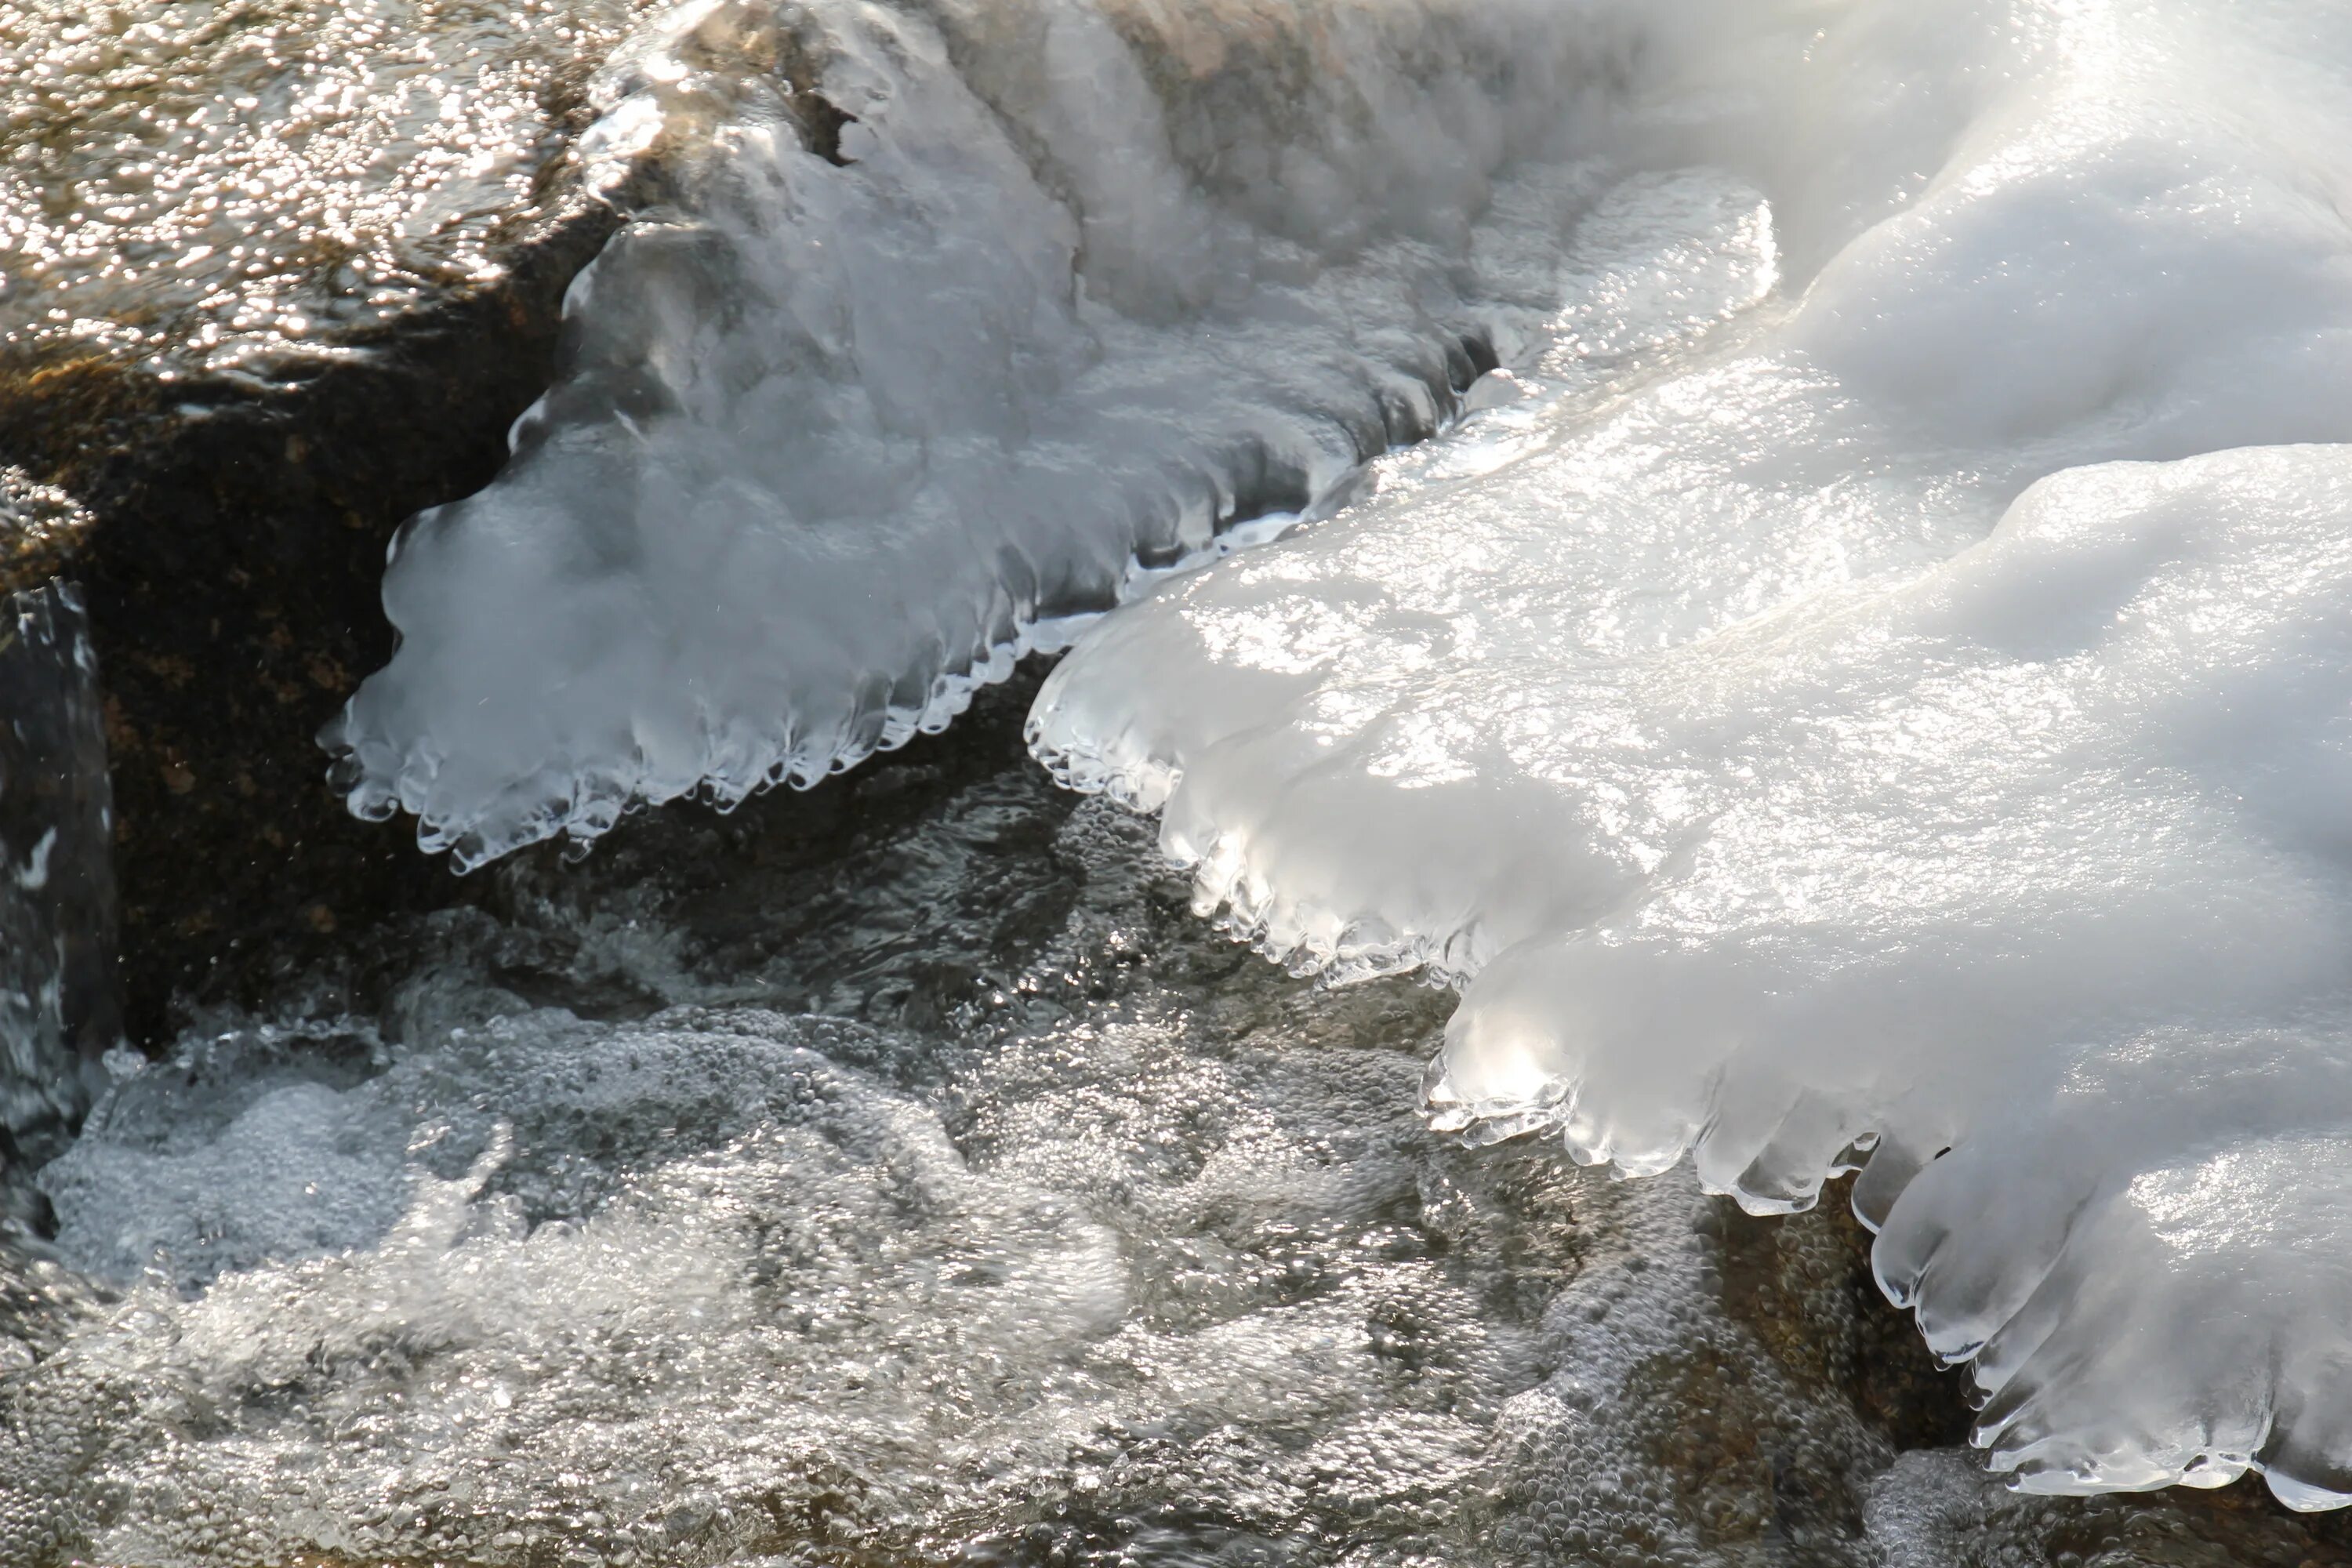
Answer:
(1889, 698)
(1865, 681)
(936, 325)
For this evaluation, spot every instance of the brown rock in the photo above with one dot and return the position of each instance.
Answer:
(278, 274)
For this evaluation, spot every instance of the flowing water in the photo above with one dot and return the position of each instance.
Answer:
(917, 1183)
(903, 1173)
(1792, 555)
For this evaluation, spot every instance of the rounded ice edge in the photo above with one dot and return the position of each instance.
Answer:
(2303, 1455)
(583, 800)
(1309, 939)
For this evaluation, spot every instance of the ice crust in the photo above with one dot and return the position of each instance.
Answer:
(1892, 702)
(935, 326)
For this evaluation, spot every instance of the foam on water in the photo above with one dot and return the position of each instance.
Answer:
(934, 324)
(1800, 735)
(1153, 1265)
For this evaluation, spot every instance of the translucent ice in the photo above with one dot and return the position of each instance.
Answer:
(1867, 679)
(1804, 741)
(936, 323)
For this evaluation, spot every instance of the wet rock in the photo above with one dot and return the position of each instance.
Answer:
(274, 275)
(60, 1004)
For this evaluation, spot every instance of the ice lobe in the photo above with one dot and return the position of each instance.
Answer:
(1806, 745)
(938, 324)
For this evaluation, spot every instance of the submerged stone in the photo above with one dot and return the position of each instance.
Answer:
(240, 187)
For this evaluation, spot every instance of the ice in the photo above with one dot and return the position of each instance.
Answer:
(1862, 679)
(1895, 713)
(937, 326)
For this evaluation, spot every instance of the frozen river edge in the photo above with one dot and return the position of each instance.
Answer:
(1579, 1369)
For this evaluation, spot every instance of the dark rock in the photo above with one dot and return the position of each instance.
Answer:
(274, 275)
(1803, 1286)
(59, 1002)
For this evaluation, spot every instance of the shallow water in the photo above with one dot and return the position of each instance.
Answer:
(1072, 1233)
(1066, 1232)
(224, 185)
